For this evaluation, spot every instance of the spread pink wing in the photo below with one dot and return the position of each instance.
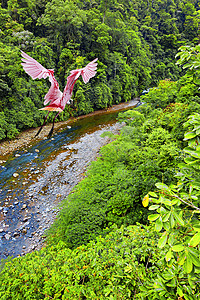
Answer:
(36, 70)
(88, 72)
(33, 68)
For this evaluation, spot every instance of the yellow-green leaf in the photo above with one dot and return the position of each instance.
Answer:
(178, 218)
(195, 259)
(162, 186)
(178, 248)
(195, 240)
(180, 292)
(154, 207)
(188, 266)
(158, 225)
(171, 221)
(152, 194)
(162, 241)
(145, 201)
(168, 255)
(189, 135)
(153, 217)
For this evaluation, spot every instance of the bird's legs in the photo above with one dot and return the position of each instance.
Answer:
(51, 131)
(42, 125)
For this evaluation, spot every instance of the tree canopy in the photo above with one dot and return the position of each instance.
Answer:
(135, 41)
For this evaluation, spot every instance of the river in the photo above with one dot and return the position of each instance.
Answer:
(33, 181)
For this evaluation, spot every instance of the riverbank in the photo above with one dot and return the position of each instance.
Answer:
(27, 138)
(35, 179)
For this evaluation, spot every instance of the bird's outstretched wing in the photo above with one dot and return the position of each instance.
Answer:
(36, 70)
(88, 72)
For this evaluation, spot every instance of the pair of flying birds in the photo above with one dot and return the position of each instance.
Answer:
(55, 99)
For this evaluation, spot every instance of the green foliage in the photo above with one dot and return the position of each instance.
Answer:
(135, 41)
(176, 214)
(116, 266)
(115, 183)
(162, 95)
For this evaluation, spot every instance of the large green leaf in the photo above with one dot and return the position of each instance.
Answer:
(178, 218)
(195, 240)
(195, 259)
(188, 265)
(158, 225)
(178, 247)
(189, 135)
(162, 241)
(154, 207)
(153, 217)
(162, 186)
(168, 255)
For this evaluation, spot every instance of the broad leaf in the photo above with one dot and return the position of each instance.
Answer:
(178, 218)
(178, 248)
(158, 225)
(145, 201)
(153, 217)
(162, 186)
(168, 255)
(195, 240)
(154, 207)
(189, 135)
(162, 241)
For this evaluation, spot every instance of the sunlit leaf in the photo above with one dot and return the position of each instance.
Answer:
(145, 201)
(195, 259)
(162, 241)
(162, 186)
(154, 207)
(171, 221)
(195, 240)
(152, 194)
(158, 224)
(188, 266)
(189, 135)
(178, 248)
(153, 217)
(168, 255)
(166, 217)
(178, 218)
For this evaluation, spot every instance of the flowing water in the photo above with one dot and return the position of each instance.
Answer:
(34, 180)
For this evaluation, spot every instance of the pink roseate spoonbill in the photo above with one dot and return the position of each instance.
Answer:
(55, 99)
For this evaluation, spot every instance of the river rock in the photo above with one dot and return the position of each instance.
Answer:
(15, 175)
(5, 210)
(15, 234)
(7, 236)
(25, 219)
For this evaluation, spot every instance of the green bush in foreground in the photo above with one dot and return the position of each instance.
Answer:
(114, 267)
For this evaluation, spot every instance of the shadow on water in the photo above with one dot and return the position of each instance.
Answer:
(22, 178)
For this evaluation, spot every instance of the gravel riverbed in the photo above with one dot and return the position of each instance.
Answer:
(30, 204)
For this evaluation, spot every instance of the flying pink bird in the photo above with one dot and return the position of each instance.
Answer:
(55, 99)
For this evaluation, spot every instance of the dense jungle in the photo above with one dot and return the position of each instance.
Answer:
(131, 228)
(135, 42)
